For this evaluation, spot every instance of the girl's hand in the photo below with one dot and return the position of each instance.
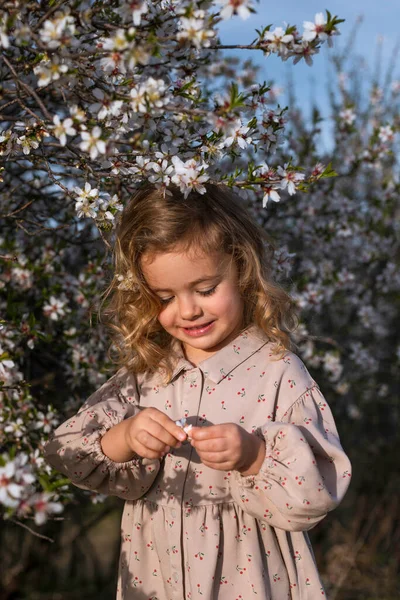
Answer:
(151, 433)
(229, 447)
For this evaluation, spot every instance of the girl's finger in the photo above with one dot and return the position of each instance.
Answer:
(214, 457)
(146, 452)
(160, 433)
(146, 439)
(168, 425)
(209, 445)
(225, 466)
(206, 433)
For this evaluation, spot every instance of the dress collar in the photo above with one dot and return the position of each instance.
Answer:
(223, 362)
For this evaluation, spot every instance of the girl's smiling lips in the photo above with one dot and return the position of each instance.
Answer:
(197, 330)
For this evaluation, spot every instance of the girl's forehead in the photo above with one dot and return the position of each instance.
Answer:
(159, 268)
(193, 255)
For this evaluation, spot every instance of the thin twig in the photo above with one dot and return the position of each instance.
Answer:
(46, 16)
(29, 111)
(234, 46)
(11, 259)
(17, 210)
(30, 91)
(35, 533)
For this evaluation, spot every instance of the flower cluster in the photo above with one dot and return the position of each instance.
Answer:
(116, 84)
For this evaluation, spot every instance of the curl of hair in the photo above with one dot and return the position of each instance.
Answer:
(156, 221)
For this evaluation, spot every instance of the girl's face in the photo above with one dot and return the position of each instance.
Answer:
(202, 305)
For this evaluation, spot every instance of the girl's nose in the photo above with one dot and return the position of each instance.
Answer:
(189, 309)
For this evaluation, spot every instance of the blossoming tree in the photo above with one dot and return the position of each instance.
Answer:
(96, 97)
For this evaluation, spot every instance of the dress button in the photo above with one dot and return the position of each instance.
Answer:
(175, 576)
(173, 513)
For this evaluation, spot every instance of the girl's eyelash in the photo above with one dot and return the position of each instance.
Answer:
(206, 293)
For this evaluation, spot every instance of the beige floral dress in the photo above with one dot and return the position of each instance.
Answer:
(191, 532)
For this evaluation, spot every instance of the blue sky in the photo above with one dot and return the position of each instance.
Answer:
(380, 18)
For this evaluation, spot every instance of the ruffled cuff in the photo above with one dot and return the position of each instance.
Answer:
(249, 481)
(113, 466)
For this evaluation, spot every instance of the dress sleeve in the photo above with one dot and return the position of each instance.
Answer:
(74, 447)
(305, 473)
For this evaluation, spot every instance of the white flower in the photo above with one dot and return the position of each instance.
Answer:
(173, 135)
(316, 29)
(117, 42)
(348, 116)
(6, 139)
(155, 90)
(98, 498)
(231, 7)
(23, 277)
(138, 8)
(4, 41)
(36, 459)
(141, 161)
(395, 86)
(342, 387)
(16, 427)
(115, 203)
(107, 203)
(49, 71)
(332, 365)
(106, 106)
(77, 113)
(187, 176)
(85, 209)
(138, 99)
(55, 308)
(88, 193)
(27, 144)
(50, 34)
(92, 143)
(270, 193)
(62, 129)
(386, 134)
(278, 40)
(289, 179)
(113, 62)
(238, 136)
(5, 366)
(353, 411)
(47, 421)
(137, 55)
(55, 30)
(193, 30)
(10, 491)
(304, 50)
(162, 170)
(42, 507)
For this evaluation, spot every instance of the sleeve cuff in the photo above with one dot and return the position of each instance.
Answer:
(100, 457)
(249, 481)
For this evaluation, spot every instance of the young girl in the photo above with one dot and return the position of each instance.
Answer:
(218, 510)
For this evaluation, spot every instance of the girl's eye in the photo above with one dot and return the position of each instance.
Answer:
(205, 293)
(208, 292)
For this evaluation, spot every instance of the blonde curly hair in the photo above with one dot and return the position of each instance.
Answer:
(158, 222)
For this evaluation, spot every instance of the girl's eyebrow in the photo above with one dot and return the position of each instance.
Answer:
(201, 280)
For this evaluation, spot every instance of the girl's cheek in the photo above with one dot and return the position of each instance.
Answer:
(165, 317)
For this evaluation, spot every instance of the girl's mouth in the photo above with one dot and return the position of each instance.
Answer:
(198, 330)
